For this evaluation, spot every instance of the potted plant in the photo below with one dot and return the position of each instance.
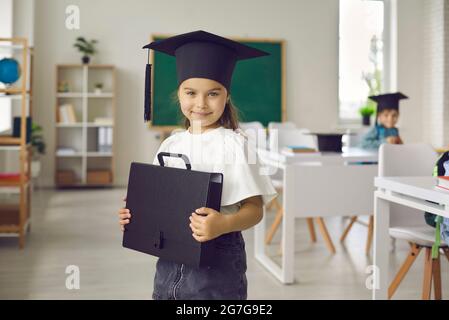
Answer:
(98, 88)
(87, 48)
(38, 147)
(366, 112)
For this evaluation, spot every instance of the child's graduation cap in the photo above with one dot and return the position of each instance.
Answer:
(200, 54)
(388, 101)
(329, 142)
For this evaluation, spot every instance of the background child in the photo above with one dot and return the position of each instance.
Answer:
(205, 63)
(385, 130)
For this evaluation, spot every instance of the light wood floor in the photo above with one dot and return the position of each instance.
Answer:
(80, 228)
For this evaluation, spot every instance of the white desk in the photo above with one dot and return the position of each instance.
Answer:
(315, 185)
(408, 191)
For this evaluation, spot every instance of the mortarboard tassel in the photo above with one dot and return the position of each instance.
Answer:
(147, 101)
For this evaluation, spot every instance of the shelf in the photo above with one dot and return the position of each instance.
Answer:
(13, 183)
(81, 124)
(15, 218)
(13, 90)
(70, 95)
(90, 106)
(83, 185)
(73, 155)
(69, 125)
(13, 147)
(100, 95)
(99, 154)
(98, 125)
(8, 140)
(15, 96)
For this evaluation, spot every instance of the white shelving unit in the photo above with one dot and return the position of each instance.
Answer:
(87, 163)
(15, 216)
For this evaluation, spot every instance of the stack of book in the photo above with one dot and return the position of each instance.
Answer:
(9, 176)
(67, 114)
(104, 139)
(443, 183)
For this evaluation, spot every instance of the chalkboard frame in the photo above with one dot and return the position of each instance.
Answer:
(280, 42)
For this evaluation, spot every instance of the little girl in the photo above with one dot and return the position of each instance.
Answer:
(385, 130)
(213, 143)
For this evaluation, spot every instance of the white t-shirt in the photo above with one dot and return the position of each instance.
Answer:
(227, 152)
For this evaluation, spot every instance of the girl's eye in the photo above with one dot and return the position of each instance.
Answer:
(190, 93)
(213, 94)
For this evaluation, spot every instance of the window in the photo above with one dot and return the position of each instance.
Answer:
(360, 55)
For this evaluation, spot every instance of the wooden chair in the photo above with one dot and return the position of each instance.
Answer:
(369, 237)
(420, 238)
(412, 160)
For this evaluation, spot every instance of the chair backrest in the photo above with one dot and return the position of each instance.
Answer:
(282, 137)
(281, 125)
(255, 130)
(354, 137)
(406, 160)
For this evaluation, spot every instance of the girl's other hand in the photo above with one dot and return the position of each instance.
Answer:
(124, 217)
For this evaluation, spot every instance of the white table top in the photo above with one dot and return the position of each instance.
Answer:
(417, 187)
(348, 154)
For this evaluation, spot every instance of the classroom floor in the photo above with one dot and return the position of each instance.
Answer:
(79, 227)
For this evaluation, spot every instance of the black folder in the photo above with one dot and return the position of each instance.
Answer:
(161, 200)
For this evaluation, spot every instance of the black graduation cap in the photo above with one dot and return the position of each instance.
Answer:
(200, 54)
(329, 142)
(388, 101)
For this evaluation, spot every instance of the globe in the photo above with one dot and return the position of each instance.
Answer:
(9, 70)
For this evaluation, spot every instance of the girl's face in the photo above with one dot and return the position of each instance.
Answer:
(202, 101)
(388, 118)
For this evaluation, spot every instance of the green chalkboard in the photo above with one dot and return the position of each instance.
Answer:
(257, 87)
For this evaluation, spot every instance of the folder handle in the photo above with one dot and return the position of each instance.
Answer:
(161, 155)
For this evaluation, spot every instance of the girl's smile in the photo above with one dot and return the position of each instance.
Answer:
(202, 100)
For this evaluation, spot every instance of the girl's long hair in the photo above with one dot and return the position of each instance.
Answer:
(229, 119)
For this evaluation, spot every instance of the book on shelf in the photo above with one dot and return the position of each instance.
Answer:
(67, 114)
(104, 139)
(443, 182)
(9, 176)
(103, 121)
(299, 149)
(65, 151)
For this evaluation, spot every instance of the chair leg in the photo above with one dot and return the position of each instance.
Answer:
(348, 228)
(427, 281)
(412, 255)
(274, 226)
(311, 229)
(325, 234)
(369, 238)
(436, 275)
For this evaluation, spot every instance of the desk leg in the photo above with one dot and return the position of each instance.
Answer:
(288, 231)
(381, 245)
(259, 236)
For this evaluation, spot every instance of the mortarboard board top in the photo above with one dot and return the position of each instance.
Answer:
(388, 100)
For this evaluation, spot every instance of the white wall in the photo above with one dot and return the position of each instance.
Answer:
(410, 68)
(310, 29)
(122, 27)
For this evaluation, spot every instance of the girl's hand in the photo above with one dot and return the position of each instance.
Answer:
(207, 224)
(124, 216)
